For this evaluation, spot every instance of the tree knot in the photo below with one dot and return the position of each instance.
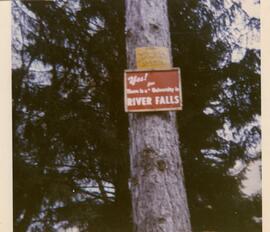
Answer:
(161, 165)
(147, 158)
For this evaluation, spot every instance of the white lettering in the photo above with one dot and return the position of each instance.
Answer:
(150, 84)
(138, 101)
(163, 90)
(132, 80)
(176, 99)
(167, 100)
(132, 91)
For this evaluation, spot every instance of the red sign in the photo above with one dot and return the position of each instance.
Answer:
(152, 90)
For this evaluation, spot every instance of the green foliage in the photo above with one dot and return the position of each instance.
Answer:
(71, 164)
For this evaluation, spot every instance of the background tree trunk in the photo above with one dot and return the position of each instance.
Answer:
(157, 183)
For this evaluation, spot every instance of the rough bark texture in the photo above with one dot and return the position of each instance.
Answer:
(157, 183)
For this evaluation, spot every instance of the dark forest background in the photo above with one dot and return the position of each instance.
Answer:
(70, 131)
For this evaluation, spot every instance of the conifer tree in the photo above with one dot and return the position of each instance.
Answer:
(70, 131)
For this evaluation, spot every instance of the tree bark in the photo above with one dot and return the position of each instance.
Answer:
(157, 184)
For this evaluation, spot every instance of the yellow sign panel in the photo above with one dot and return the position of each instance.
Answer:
(152, 57)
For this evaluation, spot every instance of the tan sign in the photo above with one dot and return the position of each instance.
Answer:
(152, 90)
(152, 57)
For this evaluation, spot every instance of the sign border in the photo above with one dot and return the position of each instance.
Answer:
(153, 70)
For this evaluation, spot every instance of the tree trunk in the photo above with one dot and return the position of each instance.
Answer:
(157, 183)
